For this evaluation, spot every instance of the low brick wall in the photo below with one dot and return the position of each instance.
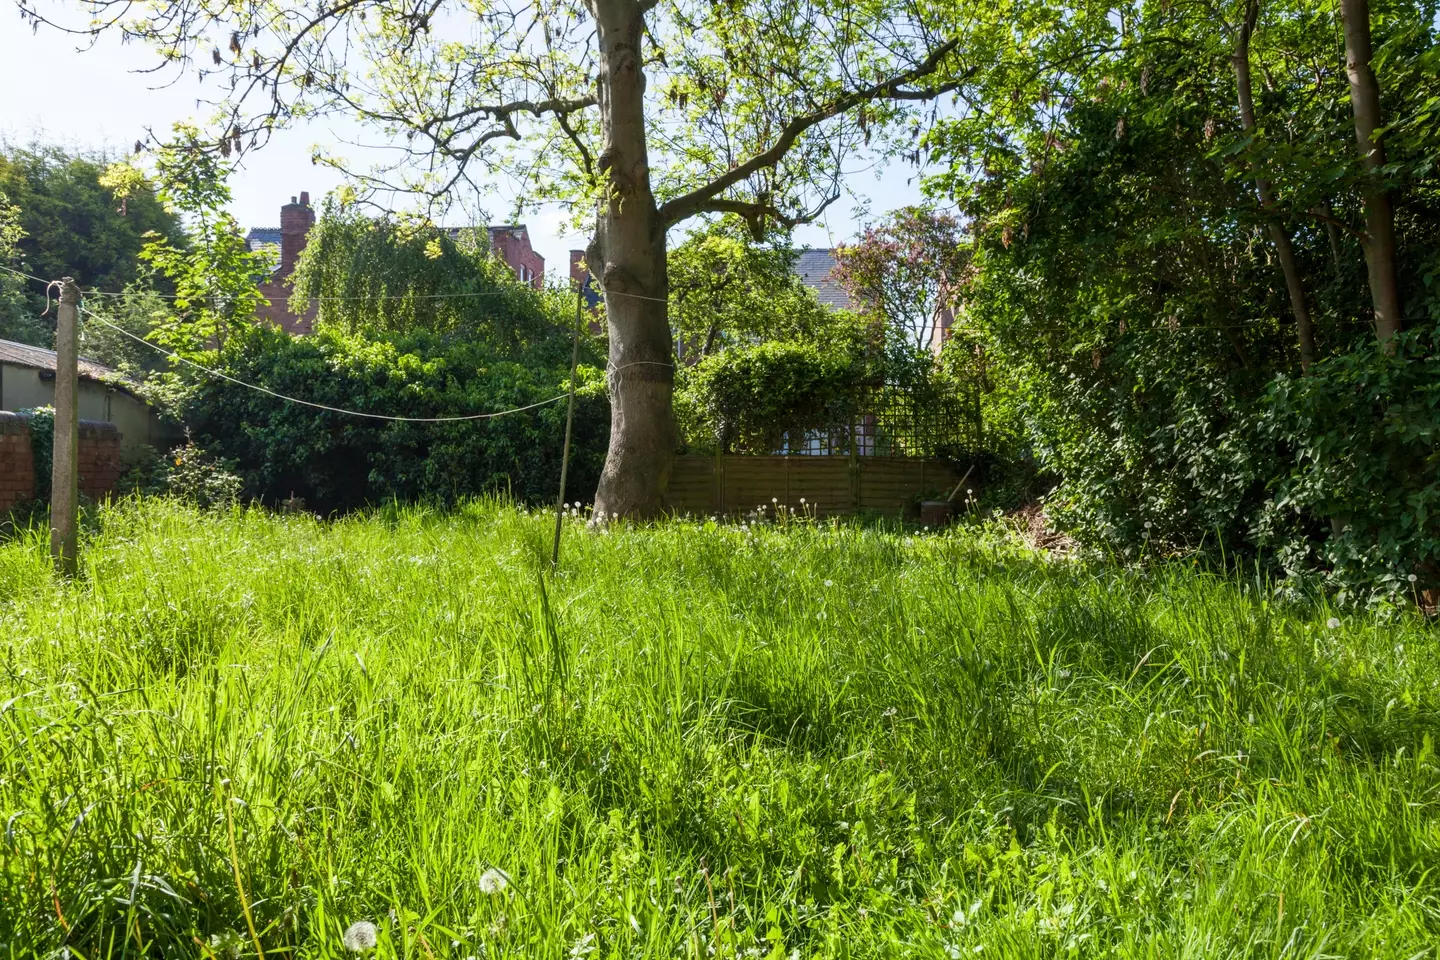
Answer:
(99, 459)
(17, 461)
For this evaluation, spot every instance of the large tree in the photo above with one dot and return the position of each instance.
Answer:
(648, 112)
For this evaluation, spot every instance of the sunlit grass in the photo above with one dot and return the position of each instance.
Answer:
(694, 741)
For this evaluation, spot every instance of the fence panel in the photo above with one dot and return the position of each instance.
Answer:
(735, 485)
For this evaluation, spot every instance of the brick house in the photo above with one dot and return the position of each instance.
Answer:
(288, 240)
(511, 242)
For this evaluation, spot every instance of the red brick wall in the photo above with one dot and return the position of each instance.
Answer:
(99, 459)
(513, 245)
(279, 313)
(17, 464)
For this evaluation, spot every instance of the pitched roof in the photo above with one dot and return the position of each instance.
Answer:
(813, 267)
(262, 237)
(38, 358)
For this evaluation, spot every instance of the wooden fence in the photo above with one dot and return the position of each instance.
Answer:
(736, 485)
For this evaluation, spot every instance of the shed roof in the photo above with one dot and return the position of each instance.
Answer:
(38, 358)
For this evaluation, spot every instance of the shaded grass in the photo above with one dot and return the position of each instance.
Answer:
(695, 741)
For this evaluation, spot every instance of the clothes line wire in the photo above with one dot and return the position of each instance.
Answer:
(308, 403)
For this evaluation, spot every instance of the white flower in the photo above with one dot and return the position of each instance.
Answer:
(360, 937)
(774, 499)
(1333, 623)
(1412, 578)
(802, 500)
(494, 880)
(829, 583)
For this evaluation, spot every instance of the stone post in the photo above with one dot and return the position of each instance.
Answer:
(65, 455)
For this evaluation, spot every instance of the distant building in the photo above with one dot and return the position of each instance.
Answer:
(511, 242)
(287, 240)
(27, 380)
(580, 274)
(815, 268)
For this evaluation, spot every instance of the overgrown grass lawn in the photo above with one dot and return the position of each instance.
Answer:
(694, 742)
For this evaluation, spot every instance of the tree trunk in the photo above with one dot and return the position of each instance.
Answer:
(1380, 256)
(629, 253)
(1284, 250)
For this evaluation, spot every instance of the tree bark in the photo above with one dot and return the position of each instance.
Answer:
(1380, 253)
(1279, 236)
(629, 253)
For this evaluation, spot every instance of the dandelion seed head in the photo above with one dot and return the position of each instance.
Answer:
(360, 936)
(494, 881)
(1412, 578)
(1333, 623)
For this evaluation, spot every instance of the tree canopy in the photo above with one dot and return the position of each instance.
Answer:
(644, 112)
(68, 220)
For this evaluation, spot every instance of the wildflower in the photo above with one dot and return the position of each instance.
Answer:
(802, 500)
(584, 946)
(774, 499)
(1412, 578)
(889, 712)
(829, 583)
(494, 880)
(360, 937)
(1333, 623)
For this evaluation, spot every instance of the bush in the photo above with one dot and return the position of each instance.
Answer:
(1363, 431)
(747, 398)
(337, 462)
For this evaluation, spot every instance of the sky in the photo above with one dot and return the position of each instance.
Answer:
(96, 99)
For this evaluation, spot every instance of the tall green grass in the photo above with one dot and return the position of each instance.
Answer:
(695, 741)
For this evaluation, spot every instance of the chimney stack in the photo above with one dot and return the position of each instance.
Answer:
(296, 219)
(578, 274)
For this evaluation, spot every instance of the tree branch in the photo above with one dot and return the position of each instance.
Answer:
(755, 213)
(693, 202)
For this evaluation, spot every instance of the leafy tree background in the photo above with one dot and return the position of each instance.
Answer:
(72, 224)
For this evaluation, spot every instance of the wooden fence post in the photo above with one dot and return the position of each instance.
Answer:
(65, 449)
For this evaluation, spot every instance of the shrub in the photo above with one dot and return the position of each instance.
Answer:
(1363, 430)
(747, 398)
(337, 462)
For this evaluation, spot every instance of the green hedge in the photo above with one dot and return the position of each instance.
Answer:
(337, 462)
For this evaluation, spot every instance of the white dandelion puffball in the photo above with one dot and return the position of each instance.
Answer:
(494, 880)
(360, 937)
(1333, 623)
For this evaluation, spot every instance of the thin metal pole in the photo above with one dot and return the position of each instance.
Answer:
(569, 426)
(65, 448)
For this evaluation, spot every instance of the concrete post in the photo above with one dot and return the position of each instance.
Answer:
(64, 482)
